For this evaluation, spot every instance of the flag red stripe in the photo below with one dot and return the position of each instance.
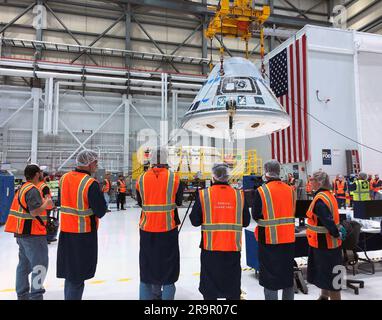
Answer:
(304, 49)
(291, 79)
(288, 131)
(299, 100)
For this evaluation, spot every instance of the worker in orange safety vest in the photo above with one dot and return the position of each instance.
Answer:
(325, 235)
(274, 211)
(221, 212)
(82, 205)
(107, 189)
(27, 221)
(340, 191)
(122, 191)
(159, 192)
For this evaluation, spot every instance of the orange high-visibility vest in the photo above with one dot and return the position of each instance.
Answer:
(107, 186)
(75, 211)
(340, 187)
(41, 186)
(222, 208)
(334, 184)
(318, 236)
(122, 186)
(157, 188)
(308, 187)
(376, 185)
(20, 221)
(278, 207)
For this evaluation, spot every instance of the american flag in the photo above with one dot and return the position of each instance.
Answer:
(288, 80)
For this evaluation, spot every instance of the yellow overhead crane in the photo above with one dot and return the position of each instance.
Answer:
(237, 18)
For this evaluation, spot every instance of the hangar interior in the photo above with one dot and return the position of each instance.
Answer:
(116, 76)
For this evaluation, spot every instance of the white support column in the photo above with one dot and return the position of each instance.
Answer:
(174, 110)
(36, 94)
(357, 99)
(164, 112)
(126, 140)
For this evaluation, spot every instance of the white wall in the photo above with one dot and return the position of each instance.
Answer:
(370, 71)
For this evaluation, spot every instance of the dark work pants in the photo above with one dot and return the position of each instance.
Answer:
(341, 201)
(74, 290)
(121, 199)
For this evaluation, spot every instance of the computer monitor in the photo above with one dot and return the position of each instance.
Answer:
(367, 209)
(302, 207)
(373, 208)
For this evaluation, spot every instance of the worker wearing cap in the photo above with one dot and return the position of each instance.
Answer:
(159, 192)
(82, 204)
(273, 210)
(221, 212)
(27, 221)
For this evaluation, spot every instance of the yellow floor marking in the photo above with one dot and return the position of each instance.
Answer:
(196, 274)
(124, 279)
(8, 290)
(97, 281)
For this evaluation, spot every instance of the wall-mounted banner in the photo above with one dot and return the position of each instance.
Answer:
(327, 157)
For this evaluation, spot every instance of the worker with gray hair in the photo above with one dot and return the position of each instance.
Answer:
(274, 209)
(82, 204)
(159, 192)
(324, 234)
(221, 212)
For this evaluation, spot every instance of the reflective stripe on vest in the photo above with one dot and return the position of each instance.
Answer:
(319, 229)
(156, 208)
(208, 227)
(80, 211)
(275, 222)
(165, 208)
(25, 216)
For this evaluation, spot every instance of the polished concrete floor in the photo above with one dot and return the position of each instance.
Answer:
(117, 274)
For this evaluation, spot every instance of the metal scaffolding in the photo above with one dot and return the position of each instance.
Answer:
(176, 14)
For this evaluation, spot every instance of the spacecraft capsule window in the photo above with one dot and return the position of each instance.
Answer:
(238, 85)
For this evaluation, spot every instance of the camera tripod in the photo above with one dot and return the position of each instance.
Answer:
(192, 201)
